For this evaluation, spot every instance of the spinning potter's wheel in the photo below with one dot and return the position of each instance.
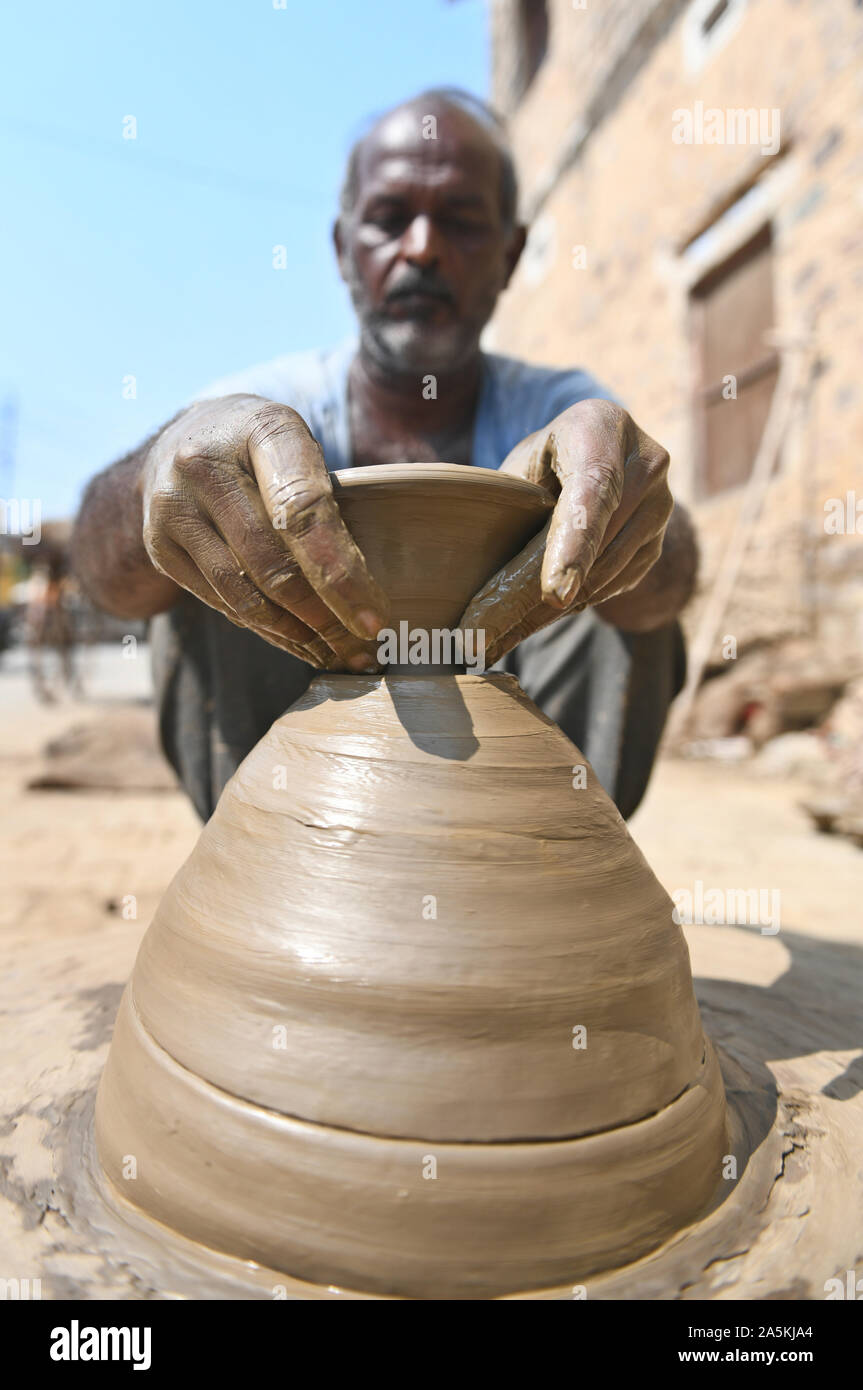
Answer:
(414, 1018)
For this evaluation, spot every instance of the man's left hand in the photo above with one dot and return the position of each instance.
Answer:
(606, 531)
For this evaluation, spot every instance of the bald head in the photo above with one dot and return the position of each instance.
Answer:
(418, 117)
(427, 236)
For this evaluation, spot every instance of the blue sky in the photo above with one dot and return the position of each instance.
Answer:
(152, 257)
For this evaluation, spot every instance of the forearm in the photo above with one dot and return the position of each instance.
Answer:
(108, 553)
(666, 588)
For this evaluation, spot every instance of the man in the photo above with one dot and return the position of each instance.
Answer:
(224, 524)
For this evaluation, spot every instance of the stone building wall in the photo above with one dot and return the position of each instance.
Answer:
(625, 220)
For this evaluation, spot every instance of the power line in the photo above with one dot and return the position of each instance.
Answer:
(78, 143)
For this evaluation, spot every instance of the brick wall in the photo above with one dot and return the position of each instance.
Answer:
(600, 170)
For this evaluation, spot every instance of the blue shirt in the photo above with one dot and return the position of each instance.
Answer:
(515, 399)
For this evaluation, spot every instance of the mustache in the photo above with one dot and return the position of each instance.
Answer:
(420, 283)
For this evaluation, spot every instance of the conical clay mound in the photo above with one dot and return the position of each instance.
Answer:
(415, 1017)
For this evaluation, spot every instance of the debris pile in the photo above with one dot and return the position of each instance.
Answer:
(793, 710)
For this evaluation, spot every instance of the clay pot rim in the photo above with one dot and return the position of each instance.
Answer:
(400, 476)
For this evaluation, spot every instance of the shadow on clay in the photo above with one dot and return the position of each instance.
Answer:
(442, 728)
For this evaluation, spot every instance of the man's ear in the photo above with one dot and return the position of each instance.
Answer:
(339, 244)
(514, 250)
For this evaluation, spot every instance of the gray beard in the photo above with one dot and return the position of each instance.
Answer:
(411, 348)
(416, 347)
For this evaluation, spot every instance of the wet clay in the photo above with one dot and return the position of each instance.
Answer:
(415, 1017)
(434, 533)
(400, 935)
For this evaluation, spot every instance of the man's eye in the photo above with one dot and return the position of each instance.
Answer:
(389, 221)
(467, 226)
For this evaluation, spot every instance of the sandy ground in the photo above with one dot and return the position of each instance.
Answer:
(73, 862)
(67, 855)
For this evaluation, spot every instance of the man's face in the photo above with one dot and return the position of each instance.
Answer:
(425, 252)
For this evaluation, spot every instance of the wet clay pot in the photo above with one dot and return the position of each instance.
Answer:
(415, 1018)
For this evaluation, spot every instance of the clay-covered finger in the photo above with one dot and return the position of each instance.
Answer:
(585, 450)
(509, 595)
(212, 574)
(298, 495)
(187, 574)
(531, 459)
(543, 614)
(630, 575)
(537, 618)
(587, 502)
(627, 544)
(241, 519)
(222, 571)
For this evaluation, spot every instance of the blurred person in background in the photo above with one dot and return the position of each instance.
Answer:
(50, 626)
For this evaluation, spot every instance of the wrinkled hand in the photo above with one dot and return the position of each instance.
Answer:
(613, 505)
(239, 510)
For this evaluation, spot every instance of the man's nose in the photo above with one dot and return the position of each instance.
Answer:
(420, 243)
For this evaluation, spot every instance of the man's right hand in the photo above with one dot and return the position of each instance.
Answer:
(239, 510)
